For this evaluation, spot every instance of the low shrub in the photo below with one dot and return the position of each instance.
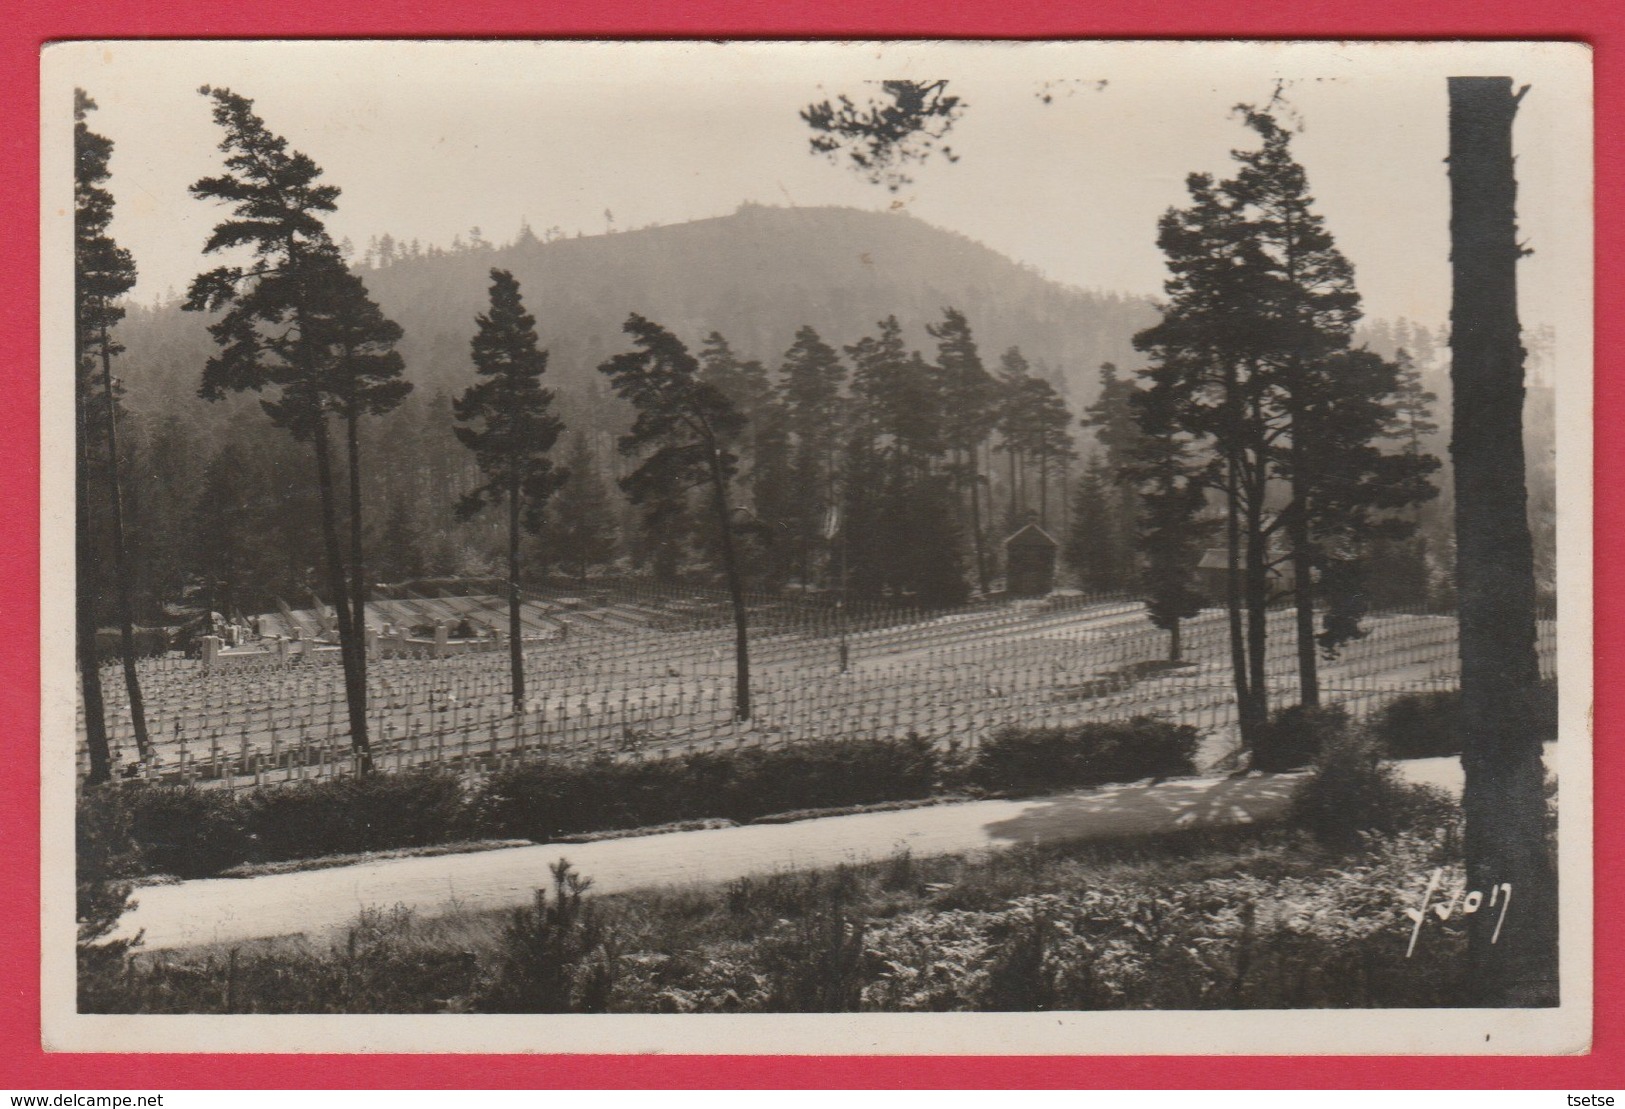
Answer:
(180, 830)
(545, 800)
(412, 808)
(387, 962)
(558, 956)
(1220, 923)
(1295, 735)
(1428, 725)
(1032, 760)
(1352, 793)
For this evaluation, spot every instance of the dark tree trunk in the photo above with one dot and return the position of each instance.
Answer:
(1232, 603)
(1257, 590)
(1173, 641)
(1303, 586)
(975, 475)
(1014, 510)
(355, 691)
(516, 641)
(1043, 486)
(358, 563)
(84, 608)
(121, 568)
(1506, 845)
(736, 592)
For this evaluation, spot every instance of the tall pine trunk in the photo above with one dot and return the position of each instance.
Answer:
(736, 592)
(355, 691)
(1043, 486)
(358, 562)
(84, 611)
(1232, 603)
(121, 567)
(974, 471)
(1257, 597)
(516, 640)
(1503, 799)
(1303, 591)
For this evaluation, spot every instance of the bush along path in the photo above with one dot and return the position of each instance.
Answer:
(188, 832)
(317, 902)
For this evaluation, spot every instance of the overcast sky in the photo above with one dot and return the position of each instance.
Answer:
(429, 139)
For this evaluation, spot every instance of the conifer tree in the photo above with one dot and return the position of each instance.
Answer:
(1096, 549)
(1206, 381)
(1015, 422)
(970, 409)
(579, 530)
(1253, 356)
(684, 431)
(764, 480)
(811, 378)
(504, 419)
(367, 380)
(103, 273)
(900, 503)
(1306, 310)
(278, 325)
(1506, 843)
(1167, 477)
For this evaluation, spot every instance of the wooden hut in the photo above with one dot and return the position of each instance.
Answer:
(1029, 560)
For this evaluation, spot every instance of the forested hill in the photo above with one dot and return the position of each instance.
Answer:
(755, 276)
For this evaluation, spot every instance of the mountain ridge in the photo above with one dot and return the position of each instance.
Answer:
(756, 276)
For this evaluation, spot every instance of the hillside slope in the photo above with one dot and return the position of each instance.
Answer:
(756, 276)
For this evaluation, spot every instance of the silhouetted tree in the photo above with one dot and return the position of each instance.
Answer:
(881, 138)
(1515, 959)
(103, 273)
(579, 531)
(504, 419)
(811, 378)
(683, 431)
(970, 409)
(277, 323)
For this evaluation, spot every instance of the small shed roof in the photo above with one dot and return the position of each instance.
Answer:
(1031, 536)
(1215, 558)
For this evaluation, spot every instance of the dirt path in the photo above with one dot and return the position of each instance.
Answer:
(313, 902)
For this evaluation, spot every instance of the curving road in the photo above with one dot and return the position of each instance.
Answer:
(315, 902)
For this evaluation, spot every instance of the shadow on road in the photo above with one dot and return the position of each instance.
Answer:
(1142, 809)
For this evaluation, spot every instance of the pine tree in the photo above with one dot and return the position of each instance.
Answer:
(1253, 355)
(367, 380)
(1173, 532)
(812, 376)
(1052, 442)
(277, 324)
(1015, 423)
(504, 419)
(1307, 309)
(767, 523)
(970, 409)
(1505, 844)
(684, 430)
(579, 530)
(103, 273)
(1117, 430)
(1096, 549)
(1206, 380)
(900, 512)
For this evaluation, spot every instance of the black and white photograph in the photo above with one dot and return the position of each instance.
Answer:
(817, 547)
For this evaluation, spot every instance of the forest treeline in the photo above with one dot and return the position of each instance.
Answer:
(931, 443)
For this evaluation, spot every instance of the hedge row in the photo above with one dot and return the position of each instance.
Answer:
(1428, 725)
(192, 832)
